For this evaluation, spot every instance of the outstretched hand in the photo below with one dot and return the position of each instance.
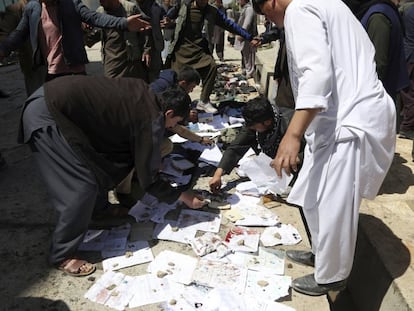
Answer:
(192, 200)
(287, 155)
(136, 23)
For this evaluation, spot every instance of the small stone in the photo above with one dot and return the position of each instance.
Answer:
(241, 242)
(161, 274)
(289, 265)
(174, 229)
(129, 254)
(262, 283)
(277, 236)
(111, 287)
(171, 264)
(91, 279)
(173, 302)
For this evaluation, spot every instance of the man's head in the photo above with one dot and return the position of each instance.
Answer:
(188, 78)
(258, 114)
(176, 106)
(274, 10)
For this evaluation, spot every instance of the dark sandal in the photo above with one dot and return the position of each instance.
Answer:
(77, 267)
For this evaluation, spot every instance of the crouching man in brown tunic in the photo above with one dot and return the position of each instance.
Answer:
(86, 134)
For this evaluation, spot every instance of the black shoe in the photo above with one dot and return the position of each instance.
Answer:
(302, 257)
(308, 286)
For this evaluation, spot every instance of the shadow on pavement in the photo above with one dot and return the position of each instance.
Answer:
(399, 178)
(380, 258)
(33, 303)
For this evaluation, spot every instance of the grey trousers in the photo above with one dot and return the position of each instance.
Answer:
(72, 188)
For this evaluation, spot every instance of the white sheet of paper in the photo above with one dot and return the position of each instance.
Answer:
(149, 208)
(122, 294)
(266, 260)
(199, 220)
(267, 286)
(149, 289)
(219, 122)
(259, 171)
(136, 253)
(288, 234)
(179, 267)
(104, 286)
(211, 155)
(248, 188)
(218, 274)
(254, 214)
(245, 241)
(186, 298)
(177, 139)
(226, 299)
(170, 231)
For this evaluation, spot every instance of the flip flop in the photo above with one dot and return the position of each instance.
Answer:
(77, 267)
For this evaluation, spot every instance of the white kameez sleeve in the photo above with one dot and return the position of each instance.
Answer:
(309, 57)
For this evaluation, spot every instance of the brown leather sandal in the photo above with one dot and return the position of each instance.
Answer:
(77, 267)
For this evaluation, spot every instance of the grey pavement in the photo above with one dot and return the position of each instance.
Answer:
(382, 278)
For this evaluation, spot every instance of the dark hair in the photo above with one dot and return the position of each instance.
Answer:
(257, 110)
(176, 99)
(189, 75)
(257, 4)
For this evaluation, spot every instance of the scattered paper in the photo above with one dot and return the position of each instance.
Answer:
(208, 243)
(185, 298)
(149, 289)
(260, 173)
(199, 220)
(174, 266)
(228, 300)
(243, 239)
(266, 260)
(149, 208)
(211, 155)
(252, 213)
(172, 232)
(280, 234)
(217, 274)
(266, 286)
(112, 289)
(233, 215)
(136, 253)
(106, 240)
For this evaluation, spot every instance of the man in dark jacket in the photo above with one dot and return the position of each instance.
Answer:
(264, 128)
(189, 47)
(57, 35)
(86, 134)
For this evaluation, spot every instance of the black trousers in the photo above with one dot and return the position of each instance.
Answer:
(72, 188)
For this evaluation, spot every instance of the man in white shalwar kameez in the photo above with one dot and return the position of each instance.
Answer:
(348, 121)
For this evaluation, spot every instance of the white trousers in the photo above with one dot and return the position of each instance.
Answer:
(333, 217)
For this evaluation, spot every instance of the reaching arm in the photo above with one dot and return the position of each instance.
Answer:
(287, 153)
